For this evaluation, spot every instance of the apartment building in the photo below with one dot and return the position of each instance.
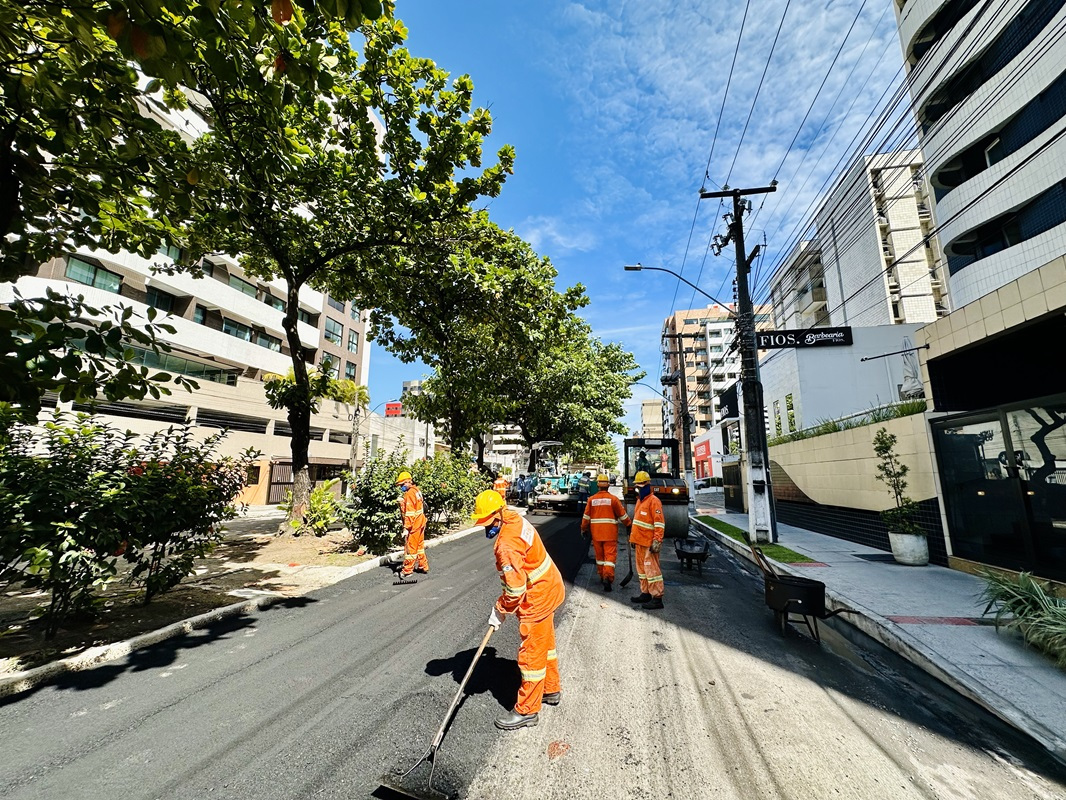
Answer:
(652, 413)
(871, 257)
(988, 82)
(705, 337)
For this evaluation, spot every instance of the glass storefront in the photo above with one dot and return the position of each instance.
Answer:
(1003, 474)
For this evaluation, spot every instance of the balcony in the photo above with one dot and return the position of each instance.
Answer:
(811, 297)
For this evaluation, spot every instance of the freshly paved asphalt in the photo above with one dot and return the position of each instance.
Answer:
(328, 696)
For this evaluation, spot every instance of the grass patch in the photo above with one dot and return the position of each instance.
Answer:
(777, 552)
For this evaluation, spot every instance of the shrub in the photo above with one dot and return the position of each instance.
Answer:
(80, 495)
(1027, 604)
(893, 473)
(374, 511)
(323, 510)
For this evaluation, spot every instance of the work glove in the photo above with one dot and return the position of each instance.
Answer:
(656, 546)
(495, 620)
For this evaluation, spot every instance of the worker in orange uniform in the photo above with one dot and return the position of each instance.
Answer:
(500, 485)
(646, 539)
(603, 513)
(532, 591)
(414, 526)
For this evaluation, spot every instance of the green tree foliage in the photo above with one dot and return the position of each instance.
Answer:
(300, 179)
(323, 510)
(373, 514)
(605, 453)
(893, 473)
(63, 345)
(78, 497)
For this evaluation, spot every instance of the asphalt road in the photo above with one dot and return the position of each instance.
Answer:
(329, 696)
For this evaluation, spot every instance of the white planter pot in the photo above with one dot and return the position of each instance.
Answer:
(909, 549)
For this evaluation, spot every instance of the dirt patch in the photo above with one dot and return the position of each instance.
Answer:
(251, 558)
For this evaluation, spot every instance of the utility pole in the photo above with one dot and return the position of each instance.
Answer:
(686, 432)
(762, 523)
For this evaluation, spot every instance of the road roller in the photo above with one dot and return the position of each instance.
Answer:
(661, 459)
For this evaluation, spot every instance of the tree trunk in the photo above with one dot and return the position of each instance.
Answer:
(299, 409)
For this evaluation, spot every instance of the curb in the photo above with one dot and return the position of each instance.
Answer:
(23, 681)
(902, 643)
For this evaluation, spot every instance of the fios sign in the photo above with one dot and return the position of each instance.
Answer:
(811, 337)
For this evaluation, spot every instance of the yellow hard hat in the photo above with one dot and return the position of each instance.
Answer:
(601, 478)
(486, 505)
(403, 476)
(641, 477)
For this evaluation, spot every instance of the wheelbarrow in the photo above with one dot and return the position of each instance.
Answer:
(789, 595)
(691, 552)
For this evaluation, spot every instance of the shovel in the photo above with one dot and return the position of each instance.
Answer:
(431, 754)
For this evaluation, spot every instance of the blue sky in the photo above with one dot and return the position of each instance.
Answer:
(612, 108)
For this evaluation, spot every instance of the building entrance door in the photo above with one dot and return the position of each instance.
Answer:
(1003, 475)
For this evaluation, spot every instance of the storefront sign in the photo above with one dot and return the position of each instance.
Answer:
(811, 337)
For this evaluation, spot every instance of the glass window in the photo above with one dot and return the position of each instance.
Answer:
(274, 302)
(157, 298)
(268, 341)
(353, 341)
(337, 304)
(349, 371)
(238, 329)
(199, 315)
(334, 331)
(171, 252)
(243, 286)
(329, 366)
(355, 312)
(305, 316)
(92, 275)
(691, 322)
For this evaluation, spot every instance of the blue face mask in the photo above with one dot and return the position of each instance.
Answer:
(643, 491)
(491, 531)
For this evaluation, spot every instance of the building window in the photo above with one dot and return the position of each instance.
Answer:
(305, 316)
(334, 331)
(328, 366)
(274, 302)
(199, 314)
(252, 477)
(268, 341)
(777, 417)
(243, 286)
(353, 341)
(238, 329)
(355, 312)
(92, 275)
(337, 304)
(791, 409)
(691, 322)
(349, 370)
(171, 252)
(157, 298)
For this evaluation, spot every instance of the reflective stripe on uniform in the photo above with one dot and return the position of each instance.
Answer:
(552, 655)
(605, 563)
(646, 525)
(414, 513)
(540, 571)
(604, 521)
(657, 579)
(512, 592)
(533, 674)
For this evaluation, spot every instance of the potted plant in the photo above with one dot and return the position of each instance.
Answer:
(909, 545)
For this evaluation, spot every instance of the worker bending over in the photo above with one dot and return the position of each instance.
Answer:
(646, 539)
(532, 591)
(603, 513)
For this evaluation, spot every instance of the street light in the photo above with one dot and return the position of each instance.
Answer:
(638, 267)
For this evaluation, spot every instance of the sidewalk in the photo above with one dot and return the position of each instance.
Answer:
(931, 616)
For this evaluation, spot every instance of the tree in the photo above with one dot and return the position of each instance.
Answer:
(492, 314)
(298, 178)
(574, 391)
(604, 453)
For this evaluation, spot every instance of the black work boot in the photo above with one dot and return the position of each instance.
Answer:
(643, 597)
(512, 721)
(552, 698)
(606, 585)
(653, 603)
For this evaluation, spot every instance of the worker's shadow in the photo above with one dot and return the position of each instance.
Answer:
(499, 676)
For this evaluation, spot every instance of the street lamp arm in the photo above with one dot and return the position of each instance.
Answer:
(640, 267)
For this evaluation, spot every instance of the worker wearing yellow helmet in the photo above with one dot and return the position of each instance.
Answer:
(603, 513)
(532, 591)
(414, 527)
(646, 539)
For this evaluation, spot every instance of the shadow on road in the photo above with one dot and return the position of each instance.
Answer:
(158, 656)
(495, 675)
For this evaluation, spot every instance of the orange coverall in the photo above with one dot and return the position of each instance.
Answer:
(603, 512)
(500, 485)
(649, 526)
(414, 522)
(532, 590)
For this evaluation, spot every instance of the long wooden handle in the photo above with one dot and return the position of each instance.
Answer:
(459, 693)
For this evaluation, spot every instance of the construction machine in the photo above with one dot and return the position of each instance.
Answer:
(660, 458)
